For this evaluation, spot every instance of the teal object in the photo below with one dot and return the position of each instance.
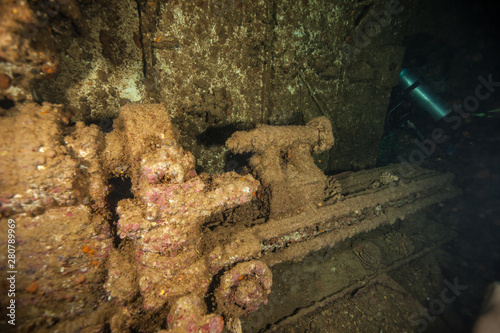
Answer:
(423, 96)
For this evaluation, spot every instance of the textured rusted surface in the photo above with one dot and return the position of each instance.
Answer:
(56, 187)
(283, 161)
(215, 64)
(370, 202)
(243, 288)
(77, 255)
(188, 314)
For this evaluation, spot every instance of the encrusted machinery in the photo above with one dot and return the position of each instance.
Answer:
(155, 259)
(368, 199)
(349, 204)
(282, 160)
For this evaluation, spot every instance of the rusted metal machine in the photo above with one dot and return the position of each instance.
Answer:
(158, 257)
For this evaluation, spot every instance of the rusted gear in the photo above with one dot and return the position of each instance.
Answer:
(243, 288)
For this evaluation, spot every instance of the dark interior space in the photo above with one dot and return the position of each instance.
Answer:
(460, 45)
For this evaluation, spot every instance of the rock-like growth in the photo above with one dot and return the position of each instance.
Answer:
(170, 203)
(55, 184)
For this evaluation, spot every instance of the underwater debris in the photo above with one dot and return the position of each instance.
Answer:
(189, 314)
(386, 178)
(170, 203)
(62, 183)
(283, 161)
(398, 243)
(243, 288)
(152, 252)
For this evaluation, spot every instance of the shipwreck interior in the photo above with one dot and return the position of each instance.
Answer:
(249, 166)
